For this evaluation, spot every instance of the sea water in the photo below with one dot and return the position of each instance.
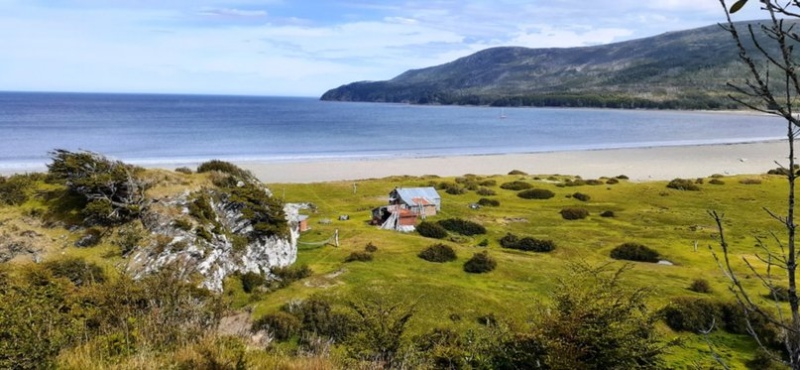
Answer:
(152, 129)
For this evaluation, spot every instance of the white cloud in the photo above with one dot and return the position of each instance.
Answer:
(228, 12)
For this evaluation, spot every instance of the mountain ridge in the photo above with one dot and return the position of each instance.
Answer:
(686, 69)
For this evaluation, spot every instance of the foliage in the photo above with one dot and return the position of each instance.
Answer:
(486, 202)
(716, 182)
(184, 170)
(634, 252)
(262, 211)
(371, 248)
(574, 213)
(692, 314)
(431, 230)
(516, 185)
(280, 324)
(90, 238)
(14, 189)
(480, 263)
(438, 253)
(317, 316)
(489, 182)
(112, 193)
(517, 173)
(225, 167)
(612, 181)
(251, 280)
(536, 194)
(750, 181)
(76, 270)
(576, 331)
(486, 192)
(512, 241)
(582, 197)
(291, 273)
(700, 286)
(607, 214)
(683, 184)
(381, 325)
(359, 256)
(463, 227)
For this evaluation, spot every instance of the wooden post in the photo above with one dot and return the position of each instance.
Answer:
(355, 187)
(336, 238)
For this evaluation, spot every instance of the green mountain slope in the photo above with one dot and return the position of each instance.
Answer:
(684, 69)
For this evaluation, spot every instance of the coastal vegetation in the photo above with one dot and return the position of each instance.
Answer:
(499, 305)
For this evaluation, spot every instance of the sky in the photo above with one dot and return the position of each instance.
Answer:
(297, 47)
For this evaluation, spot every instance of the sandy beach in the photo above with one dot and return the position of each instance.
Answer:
(640, 164)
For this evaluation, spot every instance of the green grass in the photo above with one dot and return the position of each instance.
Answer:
(667, 220)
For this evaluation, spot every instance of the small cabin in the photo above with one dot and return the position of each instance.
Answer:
(420, 201)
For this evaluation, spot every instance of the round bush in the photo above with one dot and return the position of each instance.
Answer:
(516, 185)
(511, 241)
(612, 181)
(438, 253)
(462, 227)
(480, 263)
(582, 197)
(431, 230)
(607, 214)
(692, 314)
(634, 252)
(574, 213)
(489, 202)
(700, 286)
(716, 181)
(683, 184)
(536, 194)
(371, 248)
(518, 172)
(488, 183)
(485, 192)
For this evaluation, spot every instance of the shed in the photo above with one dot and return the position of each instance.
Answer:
(420, 201)
(301, 222)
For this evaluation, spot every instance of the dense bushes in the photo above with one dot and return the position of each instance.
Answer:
(607, 214)
(462, 227)
(516, 185)
(76, 270)
(251, 281)
(511, 241)
(14, 189)
(683, 184)
(634, 252)
(574, 213)
(582, 197)
(485, 192)
(225, 167)
(280, 324)
(431, 230)
(486, 202)
(716, 182)
(700, 286)
(438, 253)
(480, 263)
(536, 194)
(359, 256)
(289, 274)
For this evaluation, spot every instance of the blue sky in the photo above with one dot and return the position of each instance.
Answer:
(297, 47)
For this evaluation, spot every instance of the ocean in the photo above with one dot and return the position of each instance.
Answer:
(168, 129)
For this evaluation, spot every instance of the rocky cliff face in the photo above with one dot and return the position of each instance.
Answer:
(214, 246)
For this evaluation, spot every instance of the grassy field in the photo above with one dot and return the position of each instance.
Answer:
(673, 222)
(670, 221)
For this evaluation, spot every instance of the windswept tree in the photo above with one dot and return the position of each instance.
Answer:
(772, 86)
(110, 188)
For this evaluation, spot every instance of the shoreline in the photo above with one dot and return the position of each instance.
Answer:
(639, 164)
(648, 163)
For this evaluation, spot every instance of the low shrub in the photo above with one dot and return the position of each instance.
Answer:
(518, 172)
(359, 256)
(224, 167)
(683, 184)
(463, 227)
(14, 189)
(582, 197)
(439, 253)
(77, 270)
(489, 182)
(182, 224)
(455, 190)
(717, 176)
(536, 194)
(371, 248)
(700, 286)
(431, 230)
(622, 177)
(485, 192)
(489, 202)
(511, 241)
(574, 213)
(593, 182)
(184, 170)
(281, 325)
(716, 181)
(607, 214)
(90, 238)
(480, 263)
(634, 252)
(516, 185)
(692, 314)
(750, 181)
(575, 182)
(612, 181)
(699, 181)
(251, 280)
(484, 243)
(290, 274)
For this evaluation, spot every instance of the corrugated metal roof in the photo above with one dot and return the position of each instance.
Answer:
(411, 196)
